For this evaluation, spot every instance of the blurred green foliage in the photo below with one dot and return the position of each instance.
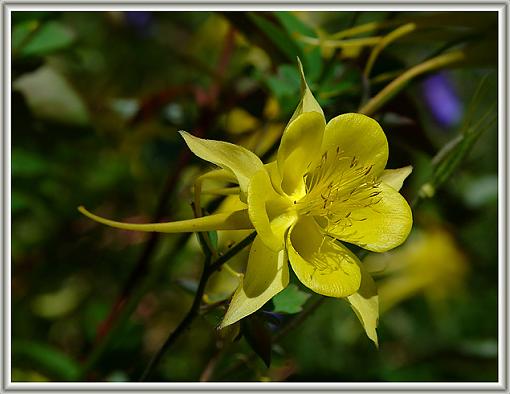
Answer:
(97, 100)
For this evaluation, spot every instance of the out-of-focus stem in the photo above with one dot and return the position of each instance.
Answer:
(398, 84)
(209, 268)
(387, 40)
(366, 28)
(353, 42)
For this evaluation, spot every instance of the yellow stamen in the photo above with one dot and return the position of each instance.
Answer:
(338, 186)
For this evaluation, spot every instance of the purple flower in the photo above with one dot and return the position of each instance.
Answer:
(442, 100)
(140, 21)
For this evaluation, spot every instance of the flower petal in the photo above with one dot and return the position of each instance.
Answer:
(308, 102)
(365, 303)
(301, 143)
(358, 136)
(274, 176)
(221, 285)
(267, 210)
(395, 178)
(236, 159)
(380, 226)
(324, 266)
(267, 274)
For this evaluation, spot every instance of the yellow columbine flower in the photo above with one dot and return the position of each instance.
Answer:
(431, 263)
(328, 183)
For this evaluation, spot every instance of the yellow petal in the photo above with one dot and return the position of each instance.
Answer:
(301, 143)
(224, 282)
(357, 136)
(324, 266)
(383, 222)
(308, 102)
(365, 303)
(218, 175)
(266, 275)
(401, 287)
(274, 176)
(395, 178)
(236, 159)
(237, 220)
(221, 285)
(268, 211)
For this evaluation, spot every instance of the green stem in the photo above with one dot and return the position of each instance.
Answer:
(209, 268)
(366, 28)
(185, 323)
(398, 84)
(232, 252)
(387, 40)
(351, 43)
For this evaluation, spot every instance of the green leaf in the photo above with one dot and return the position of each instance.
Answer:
(286, 82)
(290, 300)
(50, 96)
(277, 35)
(20, 201)
(45, 358)
(21, 33)
(60, 302)
(32, 38)
(23, 16)
(285, 87)
(27, 164)
(311, 54)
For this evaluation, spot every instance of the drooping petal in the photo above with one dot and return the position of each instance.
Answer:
(308, 103)
(267, 274)
(301, 143)
(264, 204)
(379, 223)
(236, 159)
(365, 303)
(236, 220)
(324, 266)
(395, 178)
(359, 137)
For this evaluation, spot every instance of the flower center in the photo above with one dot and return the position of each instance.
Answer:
(337, 187)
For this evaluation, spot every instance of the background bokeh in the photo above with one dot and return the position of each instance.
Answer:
(97, 100)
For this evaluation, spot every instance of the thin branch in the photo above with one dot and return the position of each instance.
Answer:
(172, 338)
(398, 84)
(232, 252)
(208, 270)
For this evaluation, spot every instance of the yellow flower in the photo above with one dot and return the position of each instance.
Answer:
(327, 183)
(431, 263)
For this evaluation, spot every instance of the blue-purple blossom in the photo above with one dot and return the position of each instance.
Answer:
(442, 100)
